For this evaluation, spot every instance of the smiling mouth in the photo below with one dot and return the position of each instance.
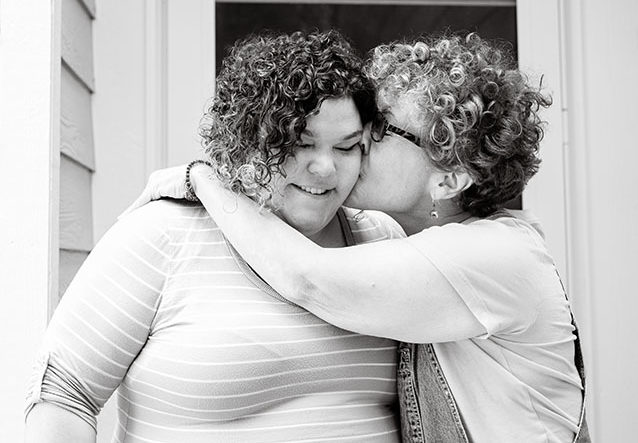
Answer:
(312, 191)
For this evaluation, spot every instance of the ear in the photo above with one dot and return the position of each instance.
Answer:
(450, 184)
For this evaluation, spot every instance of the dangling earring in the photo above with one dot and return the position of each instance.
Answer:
(434, 213)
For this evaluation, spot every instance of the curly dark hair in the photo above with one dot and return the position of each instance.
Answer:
(476, 110)
(267, 87)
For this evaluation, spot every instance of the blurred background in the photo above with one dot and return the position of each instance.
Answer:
(95, 94)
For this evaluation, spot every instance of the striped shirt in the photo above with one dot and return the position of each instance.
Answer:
(202, 349)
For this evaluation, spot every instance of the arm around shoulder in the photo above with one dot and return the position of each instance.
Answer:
(387, 289)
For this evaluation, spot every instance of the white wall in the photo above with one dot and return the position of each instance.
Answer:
(29, 168)
(154, 63)
(601, 45)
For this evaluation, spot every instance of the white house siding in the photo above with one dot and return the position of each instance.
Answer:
(77, 157)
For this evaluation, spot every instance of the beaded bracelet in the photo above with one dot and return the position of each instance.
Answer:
(190, 192)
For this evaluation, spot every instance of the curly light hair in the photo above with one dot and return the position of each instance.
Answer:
(476, 112)
(267, 87)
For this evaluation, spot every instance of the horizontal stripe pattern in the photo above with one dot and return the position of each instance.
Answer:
(163, 308)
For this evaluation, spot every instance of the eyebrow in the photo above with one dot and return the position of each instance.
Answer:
(356, 133)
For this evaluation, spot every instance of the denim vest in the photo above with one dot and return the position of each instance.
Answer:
(428, 410)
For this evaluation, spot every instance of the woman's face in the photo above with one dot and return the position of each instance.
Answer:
(395, 176)
(323, 170)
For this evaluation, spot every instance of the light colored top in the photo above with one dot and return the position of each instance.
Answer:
(518, 382)
(202, 350)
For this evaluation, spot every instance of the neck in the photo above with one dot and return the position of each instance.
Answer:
(331, 236)
(416, 221)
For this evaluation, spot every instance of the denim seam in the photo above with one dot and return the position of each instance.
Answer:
(448, 392)
(414, 417)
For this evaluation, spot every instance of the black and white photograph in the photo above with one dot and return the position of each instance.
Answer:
(339, 221)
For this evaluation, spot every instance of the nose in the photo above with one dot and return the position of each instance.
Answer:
(322, 164)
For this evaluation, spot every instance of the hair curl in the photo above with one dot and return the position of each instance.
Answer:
(267, 87)
(476, 112)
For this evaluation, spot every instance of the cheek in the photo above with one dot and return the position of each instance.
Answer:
(291, 165)
(349, 169)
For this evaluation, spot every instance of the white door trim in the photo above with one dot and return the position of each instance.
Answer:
(156, 73)
(549, 43)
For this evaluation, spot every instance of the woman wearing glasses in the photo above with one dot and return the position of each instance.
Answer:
(489, 350)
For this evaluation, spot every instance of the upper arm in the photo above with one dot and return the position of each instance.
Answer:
(104, 318)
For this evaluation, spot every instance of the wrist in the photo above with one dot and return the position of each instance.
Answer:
(193, 170)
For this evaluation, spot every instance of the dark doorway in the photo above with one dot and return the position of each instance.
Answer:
(365, 25)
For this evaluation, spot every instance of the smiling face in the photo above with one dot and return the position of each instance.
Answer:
(323, 169)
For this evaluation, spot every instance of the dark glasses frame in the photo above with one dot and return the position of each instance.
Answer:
(380, 127)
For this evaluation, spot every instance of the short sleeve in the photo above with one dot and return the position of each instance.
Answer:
(498, 268)
(104, 318)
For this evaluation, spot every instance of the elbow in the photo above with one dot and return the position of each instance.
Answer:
(327, 302)
(304, 291)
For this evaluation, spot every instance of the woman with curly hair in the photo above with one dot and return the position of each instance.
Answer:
(489, 351)
(166, 311)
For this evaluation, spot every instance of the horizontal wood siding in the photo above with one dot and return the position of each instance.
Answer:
(90, 7)
(76, 219)
(77, 161)
(77, 41)
(70, 262)
(76, 128)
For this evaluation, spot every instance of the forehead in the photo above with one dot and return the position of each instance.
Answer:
(336, 117)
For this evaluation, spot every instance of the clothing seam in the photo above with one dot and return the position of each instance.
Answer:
(527, 392)
(170, 271)
(454, 409)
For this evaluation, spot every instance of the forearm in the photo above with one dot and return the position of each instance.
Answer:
(276, 243)
(332, 283)
(384, 289)
(48, 423)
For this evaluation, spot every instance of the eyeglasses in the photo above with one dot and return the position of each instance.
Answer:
(380, 127)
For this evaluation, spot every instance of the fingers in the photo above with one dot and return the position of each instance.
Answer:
(168, 182)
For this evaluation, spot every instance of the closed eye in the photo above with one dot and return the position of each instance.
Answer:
(349, 148)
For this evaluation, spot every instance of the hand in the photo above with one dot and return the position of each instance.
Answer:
(169, 182)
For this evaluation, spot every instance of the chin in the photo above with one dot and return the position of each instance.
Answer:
(313, 225)
(355, 200)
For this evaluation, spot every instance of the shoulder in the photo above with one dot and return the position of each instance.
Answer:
(499, 266)
(369, 226)
(502, 249)
(161, 223)
(168, 213)
(503, 235)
